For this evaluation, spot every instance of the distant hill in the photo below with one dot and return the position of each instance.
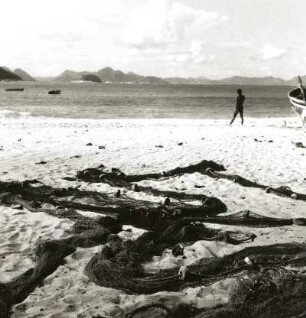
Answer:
(68, 76)
(7, 69)
(71, 76)
(108, 75)
(23, 74)
(235, 80)
(239, 80)
(189, 80)
(91, 78)
(6, 75)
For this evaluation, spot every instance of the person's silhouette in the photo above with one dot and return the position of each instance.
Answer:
(239, 106)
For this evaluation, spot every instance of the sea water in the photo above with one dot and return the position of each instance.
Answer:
(91, 100)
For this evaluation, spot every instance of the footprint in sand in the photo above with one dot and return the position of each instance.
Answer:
(13, 246)
(14, 236)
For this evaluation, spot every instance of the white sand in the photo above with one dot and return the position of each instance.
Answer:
(19, 232)
(131, 146)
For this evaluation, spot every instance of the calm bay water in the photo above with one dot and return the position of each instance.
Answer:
(142, 101)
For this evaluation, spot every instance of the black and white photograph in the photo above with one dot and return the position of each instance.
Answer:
(153, 159)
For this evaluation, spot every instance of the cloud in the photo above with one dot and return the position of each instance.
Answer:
(154, 37)
(195, 54)
(270, 52)
(45, 37)
(163, 23)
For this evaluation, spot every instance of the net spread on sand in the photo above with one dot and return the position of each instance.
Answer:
(120, 264)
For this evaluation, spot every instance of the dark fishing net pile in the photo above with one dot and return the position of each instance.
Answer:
(170, 224)
(273, 292)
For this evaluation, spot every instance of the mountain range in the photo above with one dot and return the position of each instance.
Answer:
(109, 75)
(7, 75)
(23, 74)
(236, 80)
(17, 75)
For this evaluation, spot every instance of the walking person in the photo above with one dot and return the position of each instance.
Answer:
(239, 106)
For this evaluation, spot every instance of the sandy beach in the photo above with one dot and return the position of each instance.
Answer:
(266, 151)
(153, 159)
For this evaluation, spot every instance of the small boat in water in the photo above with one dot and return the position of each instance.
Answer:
(297, 99)
(54, 92)
(17, 89)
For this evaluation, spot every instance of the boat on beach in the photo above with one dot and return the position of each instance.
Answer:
(54, 92)
(298, 104)
(17, 89)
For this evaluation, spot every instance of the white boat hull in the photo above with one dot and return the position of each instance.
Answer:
(298, 105)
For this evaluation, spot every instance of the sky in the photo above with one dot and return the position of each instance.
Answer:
(166, 38)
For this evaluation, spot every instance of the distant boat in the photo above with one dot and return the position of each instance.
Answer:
(20, 89)
(54, 92)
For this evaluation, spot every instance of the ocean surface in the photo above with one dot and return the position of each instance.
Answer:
(90, 100)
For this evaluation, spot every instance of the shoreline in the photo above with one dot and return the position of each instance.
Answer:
(10, 115)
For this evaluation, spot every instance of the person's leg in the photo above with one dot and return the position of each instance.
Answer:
(241, 115)
(235, 114)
